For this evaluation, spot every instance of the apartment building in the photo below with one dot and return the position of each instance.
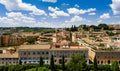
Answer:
(32, 53)
(107, 57)
(67, 51)
(8, 57)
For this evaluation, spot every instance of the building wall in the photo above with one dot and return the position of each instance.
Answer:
(11, 40)
(5, 39)
(9, 61)
(107, 57)
(67, 54)
(33, 56)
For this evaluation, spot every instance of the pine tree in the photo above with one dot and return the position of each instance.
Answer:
(52, 63)
(63, 63)
(95, 64)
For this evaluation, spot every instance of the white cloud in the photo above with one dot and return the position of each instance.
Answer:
(105, 16)
(76, 19)
(80, 11)
(19, 5)
(77, 6)
(56, 12)
(53, 9)
(17, 19)
(13, 19)
(53, 1)
(92, 14)
(115, 6)
(64, 4)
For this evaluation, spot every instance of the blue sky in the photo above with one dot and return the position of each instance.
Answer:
(58, 13)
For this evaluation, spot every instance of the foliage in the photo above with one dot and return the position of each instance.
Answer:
(39, 69)
(95, 64)
(52, 63)
(74, 28)
(31, 40)
(20, 62)
(115, 66)
(109, 33)
(101, 45)
(41, 61)
(77, 63)
(63, 63)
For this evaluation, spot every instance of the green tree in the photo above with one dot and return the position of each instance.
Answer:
(115, 66)
(31, 40)
(95, 64)
(41, 63)
(63, 63)
(103, 26)
(77, 63)
(37, 68)
(52, 65)
(20, 62)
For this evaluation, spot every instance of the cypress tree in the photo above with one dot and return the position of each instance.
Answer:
(20, 62)
(63, 63)
(95, 64)
(52, 63)
(41, 63)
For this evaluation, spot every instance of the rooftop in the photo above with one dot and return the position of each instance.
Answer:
(32, 47)
(8, 55)
(69, 48)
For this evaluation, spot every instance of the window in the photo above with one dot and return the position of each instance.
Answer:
(47, 53)
(108, 61)
(28, 53)
(33, 53)
(98, 62)
(24, 53)
(60, 61)
(101, 62)
(46, 57)
(55, 60)
(42, 52)
(38, 52)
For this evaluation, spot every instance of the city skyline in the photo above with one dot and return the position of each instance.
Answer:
(58, 13)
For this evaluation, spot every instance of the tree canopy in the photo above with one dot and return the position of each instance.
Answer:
(77, 63)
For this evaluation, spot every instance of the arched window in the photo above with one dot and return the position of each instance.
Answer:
(101, 62)
(108, 61)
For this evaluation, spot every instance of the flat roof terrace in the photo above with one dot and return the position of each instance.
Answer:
(33, 47)
(69, 48)
(9, 55)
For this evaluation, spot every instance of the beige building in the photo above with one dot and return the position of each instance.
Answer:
(9, 57)
(67, 51)
(31, 53)
(107, 57)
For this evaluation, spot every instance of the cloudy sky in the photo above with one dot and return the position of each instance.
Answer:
(58, 13)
